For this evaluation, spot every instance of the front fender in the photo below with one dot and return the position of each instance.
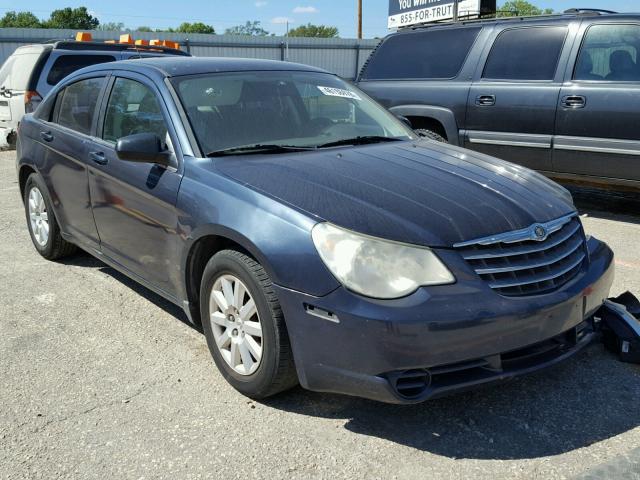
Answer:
(276, 235)
(443, 115)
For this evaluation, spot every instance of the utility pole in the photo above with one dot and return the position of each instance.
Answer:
(359, 19)
(455, 10)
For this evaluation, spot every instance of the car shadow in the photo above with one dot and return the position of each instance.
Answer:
(622, 207)
(584, 401)
(83, 259)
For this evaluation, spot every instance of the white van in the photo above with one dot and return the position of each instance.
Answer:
(33, 70)
(15, 76)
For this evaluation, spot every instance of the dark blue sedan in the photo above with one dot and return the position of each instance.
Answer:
(313, 235)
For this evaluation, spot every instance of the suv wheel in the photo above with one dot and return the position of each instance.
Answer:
(244, 326)
(422, 132)
(43, 227)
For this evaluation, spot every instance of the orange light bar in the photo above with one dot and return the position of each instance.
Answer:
(170, 44)
(155, 42)
(83, 37)
(126, 38)
(142, 42)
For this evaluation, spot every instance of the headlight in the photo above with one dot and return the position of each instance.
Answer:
(377, 268)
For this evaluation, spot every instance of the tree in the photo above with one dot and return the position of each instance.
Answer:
(20, 20)
(197, 27)
(249, 28)
(73, 18)
(113, 27)
(144, 28)
(310, 30)
(521, 8)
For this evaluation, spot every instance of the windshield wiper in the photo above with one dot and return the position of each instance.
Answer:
(360, 141)
(258, 148)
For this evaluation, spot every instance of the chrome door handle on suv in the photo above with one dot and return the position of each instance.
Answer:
(574, 101)
(486, 100)
(98, 157)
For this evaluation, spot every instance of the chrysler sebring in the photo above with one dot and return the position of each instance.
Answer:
(314, 237)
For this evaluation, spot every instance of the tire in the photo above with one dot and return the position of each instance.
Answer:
(54, 246)
(274, 371)
(431, 135)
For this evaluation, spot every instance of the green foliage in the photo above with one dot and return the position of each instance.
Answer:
(20, 20)
(250, 28)
(75, 18)
(113, 27)
(197, 27)
(317, 31)
(521, 8)
(144, 28)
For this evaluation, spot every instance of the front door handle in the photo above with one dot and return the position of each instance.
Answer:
(98, 157)
(46, 136)
(486, 100)
(574, 101)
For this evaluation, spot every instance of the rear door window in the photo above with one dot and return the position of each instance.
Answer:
(76, 104)
(425, 54)
(526, 54)
(67, 64)
(610, 53)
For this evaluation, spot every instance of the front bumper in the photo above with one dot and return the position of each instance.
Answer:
(440, 339)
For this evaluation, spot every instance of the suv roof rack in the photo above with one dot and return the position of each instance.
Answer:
(75, 45)
(589, 11)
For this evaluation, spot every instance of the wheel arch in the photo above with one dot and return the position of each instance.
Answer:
(210, 240)
(23, 174)
(438, 119)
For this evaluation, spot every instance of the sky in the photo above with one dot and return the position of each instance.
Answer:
(273, 14)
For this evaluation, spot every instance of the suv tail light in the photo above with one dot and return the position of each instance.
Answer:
(31, 101)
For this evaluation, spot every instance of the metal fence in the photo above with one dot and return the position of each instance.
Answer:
(344, 57)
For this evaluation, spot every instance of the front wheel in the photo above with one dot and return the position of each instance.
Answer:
(244, 326)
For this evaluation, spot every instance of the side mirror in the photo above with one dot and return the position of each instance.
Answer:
(405, 120)
(143, 148)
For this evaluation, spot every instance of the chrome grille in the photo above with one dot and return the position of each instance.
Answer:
(532, 261)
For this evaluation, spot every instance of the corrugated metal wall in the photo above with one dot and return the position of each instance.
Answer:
(341, 56)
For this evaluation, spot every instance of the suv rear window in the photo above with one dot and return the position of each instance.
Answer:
(67, 64)
(426, 54)
(526, 54)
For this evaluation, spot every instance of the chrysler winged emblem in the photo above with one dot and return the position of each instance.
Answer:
(540, 233)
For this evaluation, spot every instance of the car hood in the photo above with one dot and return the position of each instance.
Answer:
(421, 192)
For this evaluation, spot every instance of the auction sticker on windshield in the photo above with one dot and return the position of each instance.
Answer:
(339, 92)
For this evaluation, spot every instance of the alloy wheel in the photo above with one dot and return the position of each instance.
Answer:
(38, 216)
(236, 324)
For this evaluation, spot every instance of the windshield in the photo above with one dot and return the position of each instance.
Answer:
(294, 109)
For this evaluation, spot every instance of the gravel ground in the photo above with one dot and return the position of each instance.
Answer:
(100, 378)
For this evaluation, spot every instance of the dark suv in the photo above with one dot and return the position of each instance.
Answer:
(560, 94)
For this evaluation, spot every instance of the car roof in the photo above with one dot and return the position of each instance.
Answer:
(562, 17)
(178, 66)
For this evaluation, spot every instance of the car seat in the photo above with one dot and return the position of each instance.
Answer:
(622, 66)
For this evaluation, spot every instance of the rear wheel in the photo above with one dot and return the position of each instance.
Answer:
(244, 326)
(430, 134)
(43, 227)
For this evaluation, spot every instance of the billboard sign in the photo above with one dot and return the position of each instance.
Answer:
(403, 13)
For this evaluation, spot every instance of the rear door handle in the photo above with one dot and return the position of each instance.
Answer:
(98, 157)
(574, 101)
(486, 100)
(46, 136)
